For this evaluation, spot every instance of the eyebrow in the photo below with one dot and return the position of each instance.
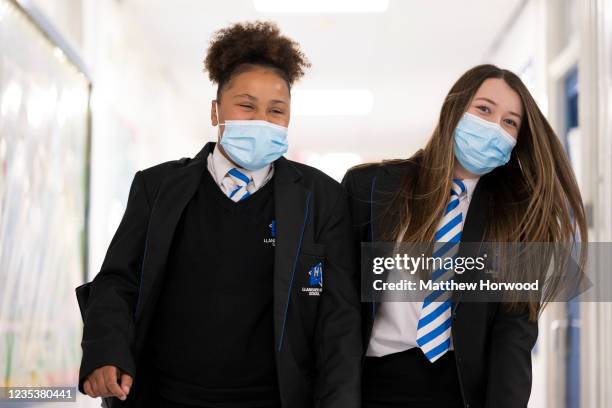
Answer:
(251, 97)
(494, 104)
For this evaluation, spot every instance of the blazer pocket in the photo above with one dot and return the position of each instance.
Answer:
(311, 266)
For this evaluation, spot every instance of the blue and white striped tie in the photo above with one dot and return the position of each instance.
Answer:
(241, 181)
(434, 327)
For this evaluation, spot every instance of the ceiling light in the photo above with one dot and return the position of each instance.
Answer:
(321, 6)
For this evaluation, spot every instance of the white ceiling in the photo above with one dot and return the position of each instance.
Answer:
(408, 57)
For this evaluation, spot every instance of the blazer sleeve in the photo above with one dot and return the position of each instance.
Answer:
(359, 206)
(340, 318)
(108, 330)
(513, 336)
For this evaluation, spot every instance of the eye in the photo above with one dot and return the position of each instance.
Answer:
(483, 108)
(277, 111)
(511, 123)
(246, 106)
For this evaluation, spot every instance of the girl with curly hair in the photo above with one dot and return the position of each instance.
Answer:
(231, 280)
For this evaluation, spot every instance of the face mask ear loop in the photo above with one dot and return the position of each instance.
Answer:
(219, 124)
(217, 112)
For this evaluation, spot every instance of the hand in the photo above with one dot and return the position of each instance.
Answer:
(108, 381)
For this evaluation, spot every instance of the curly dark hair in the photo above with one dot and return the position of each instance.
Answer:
(236, 48)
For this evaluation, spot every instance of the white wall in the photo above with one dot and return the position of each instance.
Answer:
(138, 117)
(596, 116)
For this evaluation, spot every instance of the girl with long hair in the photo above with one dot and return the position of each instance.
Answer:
(492, 171)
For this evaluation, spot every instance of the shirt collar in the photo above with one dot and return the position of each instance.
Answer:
(222, 165)
(470, 186)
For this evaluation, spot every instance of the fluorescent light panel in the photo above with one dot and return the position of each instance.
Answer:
(331, 102)
(321, 6)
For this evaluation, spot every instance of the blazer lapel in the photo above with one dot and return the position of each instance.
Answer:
(384, 187)
(292, 204)
(473, 233)
(174, 194)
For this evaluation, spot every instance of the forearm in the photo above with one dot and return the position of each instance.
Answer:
(108, 331)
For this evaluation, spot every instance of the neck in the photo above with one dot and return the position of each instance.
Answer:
(461, 173)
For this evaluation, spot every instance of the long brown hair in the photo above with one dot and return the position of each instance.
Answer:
(535, 197)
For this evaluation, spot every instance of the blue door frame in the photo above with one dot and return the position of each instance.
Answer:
(572, 358)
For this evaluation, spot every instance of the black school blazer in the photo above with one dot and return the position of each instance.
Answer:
(492, 347)
(318, 343)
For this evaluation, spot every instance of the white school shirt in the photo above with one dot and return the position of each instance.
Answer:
(218, 166)
(395, 324)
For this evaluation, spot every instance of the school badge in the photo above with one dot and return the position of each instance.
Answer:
(315, 280)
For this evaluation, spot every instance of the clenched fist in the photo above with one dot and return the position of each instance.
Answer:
(108, 381)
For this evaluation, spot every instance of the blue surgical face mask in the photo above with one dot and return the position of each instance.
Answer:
(253, 144)
(480, 145)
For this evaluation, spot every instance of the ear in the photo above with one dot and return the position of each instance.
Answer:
(214, 120)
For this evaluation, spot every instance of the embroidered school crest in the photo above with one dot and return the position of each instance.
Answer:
(272, 239)
(315, 275)
(315, 280)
